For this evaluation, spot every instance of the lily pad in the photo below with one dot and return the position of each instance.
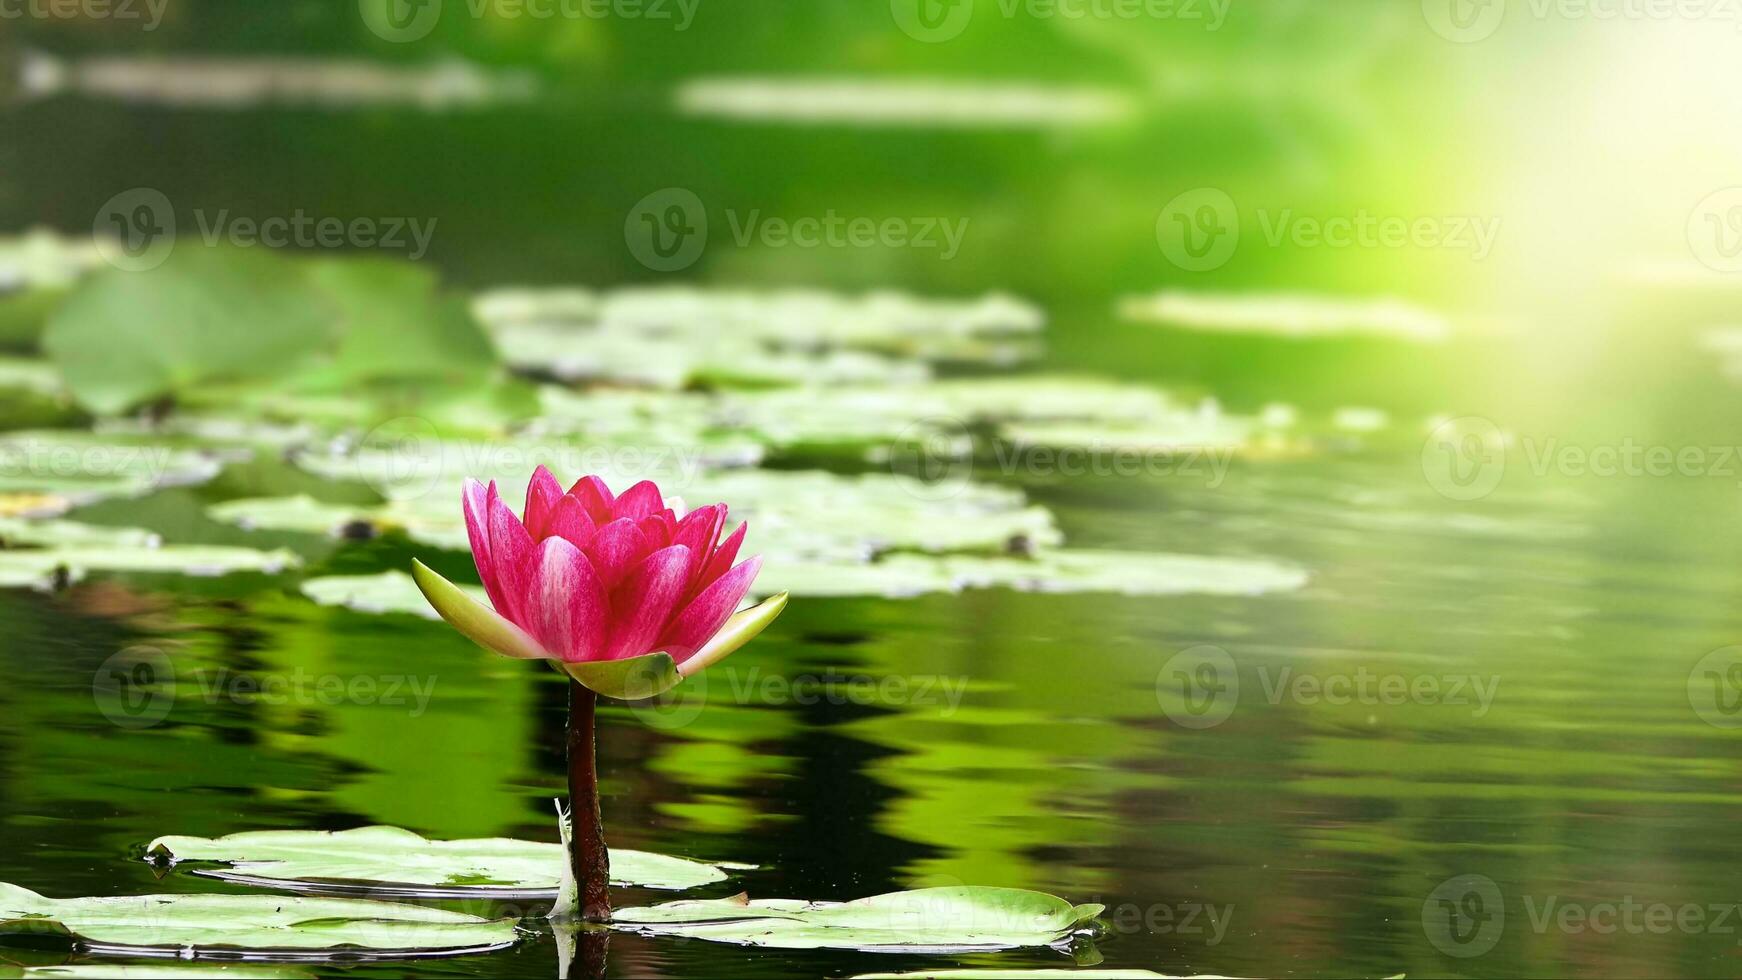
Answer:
(82, 468)
(45, 567)
(1288, 315)
(226, 925)
(995, 328)
(904, 104)
(390, 860)
(802, 514)
(15, 532)
(905, 575)
(928, 920)
(29, 374)
(383, 592)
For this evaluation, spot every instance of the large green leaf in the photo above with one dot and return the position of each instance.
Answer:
(212, 316)
(220, 924)
(384, 860)
(394, 322)
(123, 338)
(929, 919)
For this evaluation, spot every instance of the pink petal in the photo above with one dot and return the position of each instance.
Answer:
(542, 493)
(569, 610)
(703, 617)
(595, 496)
(514, 558)
(618, 547)
(658, 528)
(569, 520)
(476, 502)
(698, 531)
(639, 501)
(644, 602)
(721, 559)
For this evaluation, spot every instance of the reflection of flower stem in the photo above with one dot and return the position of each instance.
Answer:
(588, 859)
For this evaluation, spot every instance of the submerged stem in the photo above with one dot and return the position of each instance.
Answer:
(588, 859)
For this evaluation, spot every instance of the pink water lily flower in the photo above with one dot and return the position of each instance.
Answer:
(589, 578)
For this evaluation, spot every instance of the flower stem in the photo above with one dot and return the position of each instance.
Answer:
(588, 859)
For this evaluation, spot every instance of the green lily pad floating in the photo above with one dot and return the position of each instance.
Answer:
(50, 567)
(949, 919)
(79, 468)
(191, 926)
(802, 514)
(614, 354)
(877, 420)
(15, 532)
(384, 592)
(900, 576)
(1287, 315)
(391, 860)
(992, 329)
(41, 259)
(158, 971)
(298, 513)
(30, 375)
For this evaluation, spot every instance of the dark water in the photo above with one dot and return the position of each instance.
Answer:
(1534, 688)
(1547, 741)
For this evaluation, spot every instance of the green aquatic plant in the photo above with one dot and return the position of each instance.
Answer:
(623, 593)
